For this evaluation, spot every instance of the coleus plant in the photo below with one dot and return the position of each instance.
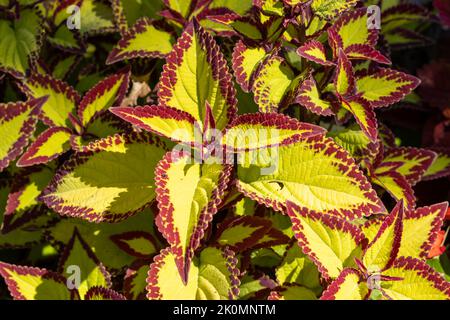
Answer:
(279, 187)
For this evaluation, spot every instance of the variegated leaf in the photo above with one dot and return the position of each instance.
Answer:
(19, 42)
(90, 270)
(364, 115)
(213, 276)
(346, 287)
(17, 124)
(48, 146)
(103, 95)
(263, 130)
(292, 292)
(420, 281)
(441, 165)
(309, 97)
(314, 51)
(22, 205)
(172, 123)
(62, 98)
(196, 60)
(383, 249)
(272, 84)
(246, 61)
(28, 283)
(328, 9)
(331, 242)
(135, 280)
(184, 219)
(397, 186)
(144, 40)
(241, 233)
(136, 243)
(108, 183)
(386, 87)
(315, 173)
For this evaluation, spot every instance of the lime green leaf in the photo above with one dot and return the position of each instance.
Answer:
(109, 183)
(62, 98)
(47, 147)
(331, 242)
(19, 42)
(196, 73)
(386, 87)
(135, 243)
(296, 267)
(23, 205)
(98, 236)
(104, 95)
(315, 173)
(135, 280)
(91, 272)
(17, 124)
(346, 287)
(272, 84)
(184, 218)
(27, 283)
(440, 167)
(246, 61)
(213, 276)
(328, 9)
(263, 130)
(145, 39)
(384, 248)
(127, 12)
(420, 281)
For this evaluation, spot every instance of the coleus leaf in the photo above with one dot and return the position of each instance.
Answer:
(296, 267)
(48, 146)
(314, 51)
(366, 52)
(97, 17)
(383, 249)
(17, 124)
(351, 29)
(213, 276)
(254, 285)
(272, 83)
(204, 186)
(355, 141)
(91, 271)
(386, 87)
(28, 283)
(62, 98)
(263, 130)
(411, 163)
(420, 229)
(98, 236)
(364, 115)
(344, 80)
(196, 60)
(110, 182)
(102, 293)
(420, 281)
(397, 186)
(330, 242)
(292, 292)
(440, 166)
(135, 280)
(126, 13)
(241, 233)
(172, 123)
(346, 287)
(145, 39)
(297, 173)
(19, 43)
(246, 61)
(309, 97)
(136, 243)
(22, 205)
(328, 9)
(104, 95)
